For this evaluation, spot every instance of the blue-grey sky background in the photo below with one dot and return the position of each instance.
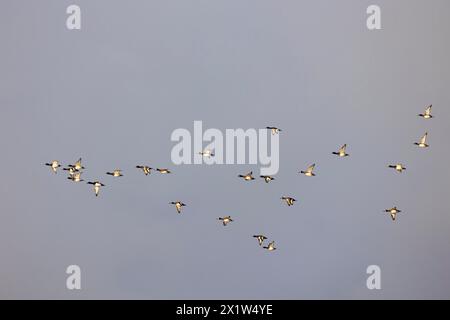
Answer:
(113, 92)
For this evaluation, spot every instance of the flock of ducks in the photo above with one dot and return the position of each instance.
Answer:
(75, 170)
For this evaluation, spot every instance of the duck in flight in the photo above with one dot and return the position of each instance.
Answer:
(423, 141)
(289, 201)
(54, 165)
(97, 185)
(77, 166)
(163, 170)
(72, 171)
(225, 220)
(75, 177)
(309, 171)
(341, 152)
(398, 167)
(427, 113)
(206, 153)
(178, 205)
(145, 169)
(267, 179)
(274, 130)
(271, 246)
(393, 212)
(260, 238)
(247, 177)
(116, 173)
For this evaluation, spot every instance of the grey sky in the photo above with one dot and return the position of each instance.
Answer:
(114, 91)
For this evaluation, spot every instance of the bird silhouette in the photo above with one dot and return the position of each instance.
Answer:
(260, 238)
(289, 200)
(247, 177)
(423, 141)
(341, 152)
(427, 113)
(97, 185)
(309, 171)
(178, 205)
(225, 220)
(54, 165)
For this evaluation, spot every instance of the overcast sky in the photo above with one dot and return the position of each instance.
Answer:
(114, 91)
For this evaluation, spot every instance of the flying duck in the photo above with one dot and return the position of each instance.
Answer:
(72, 171)
(289, 201)
(116, 173)
(393, 212)
(207, 153)
(97, 186)
(76, 176)
(225, 220)
(274, 130)
(54, 165)
(163, 170)
(427, 113)
(260, 238)
(309, 171)
(267, 179)
(145, 169)
(341, 152)
(423, 141)
(77, 166)
(271, 246)
(247, 177)
(398, 167)
(178, 205)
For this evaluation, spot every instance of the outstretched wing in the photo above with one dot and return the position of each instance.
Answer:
(423, 140)
(311, 168)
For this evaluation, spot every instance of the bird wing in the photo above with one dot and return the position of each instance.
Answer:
(424, 138)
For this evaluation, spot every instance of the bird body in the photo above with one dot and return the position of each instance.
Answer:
(54, 165)
(147, 170)
(77, 166)
(427, 113)
(274, 130)
(423, 141)
(271, 246)
(267, 179)
(116, 173)
(393, 212)
(341, 152)
(206, 153)
(260, 238)
(309, 171)
(97, 186)
(225, 220)
(289, 201)
(178, 205)
(71, 170)
(398, 167)
(164, 171)
(76, 176)
(247, 177)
